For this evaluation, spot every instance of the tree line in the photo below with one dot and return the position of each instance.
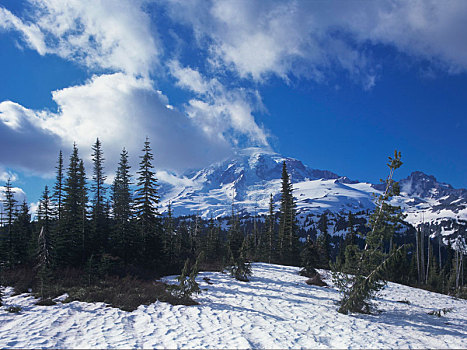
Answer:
(84, 224)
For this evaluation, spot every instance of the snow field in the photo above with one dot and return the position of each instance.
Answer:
(275, 310)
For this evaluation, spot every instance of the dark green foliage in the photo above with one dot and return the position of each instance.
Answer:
(72, 235)
(58, 189)
(310, 258)
(373, 263)
(324, 242)
(46, 302)
(270, 234)
(240, 267)
(124, 242)
(358, 290)
(187, 285)
(99, 215)
(22, 235)
(288, 244)
(90, 254)
(14, 309)
(147, 215)
(9, 204)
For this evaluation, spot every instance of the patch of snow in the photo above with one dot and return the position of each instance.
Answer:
(277, 309)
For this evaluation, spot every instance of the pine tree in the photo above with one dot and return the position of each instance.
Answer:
(146, 201)
(9, 204)
(99, 218)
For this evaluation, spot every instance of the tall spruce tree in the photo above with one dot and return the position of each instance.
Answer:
(122, 208)
(146, 201)
(72, 231)
(288, 239)
(270, 232)
(9, 206)
(99, 218)
(58, 187)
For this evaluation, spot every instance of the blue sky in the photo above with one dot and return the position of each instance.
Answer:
(338, 85)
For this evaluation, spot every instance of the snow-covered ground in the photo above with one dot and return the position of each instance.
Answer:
(275, 310)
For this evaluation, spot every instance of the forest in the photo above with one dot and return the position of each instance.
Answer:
(110, 243)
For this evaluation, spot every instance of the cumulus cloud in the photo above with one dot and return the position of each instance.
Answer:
(220, 111)
(121, 110)
(104, 34)
(308, 38)
(119, 104)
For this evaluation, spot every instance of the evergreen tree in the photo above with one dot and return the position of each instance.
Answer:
(72, 230)
(146, 202)
(22, 235)
(99, 218)
(58, 189)
(122, 205)
(234, 237)
(9, 205)
(169, 236)
(358, 289)
(324, 241)
(45, 214)
(288, 240)
(310, 258)
(270, 236)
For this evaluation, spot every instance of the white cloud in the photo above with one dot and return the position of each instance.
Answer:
(31, 32)
(119, 109)
(311, 38)
(103, 34)
(219, 111)
(7, 174)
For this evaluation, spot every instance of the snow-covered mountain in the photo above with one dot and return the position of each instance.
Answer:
(248, 178)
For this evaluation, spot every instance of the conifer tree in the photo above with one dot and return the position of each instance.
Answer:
(99, 218)
(310, 258)
(358, 289)
(122, 205)
(324, 241)
(58, 187)
(146, 201)
(288, 240)
(45, 211)
(22, 234)
(271, 232)
(9, 204)
(71, 238)
(234, 237)
(169, 236)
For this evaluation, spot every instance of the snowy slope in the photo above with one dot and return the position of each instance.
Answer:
(248, 178)
(275, 310)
